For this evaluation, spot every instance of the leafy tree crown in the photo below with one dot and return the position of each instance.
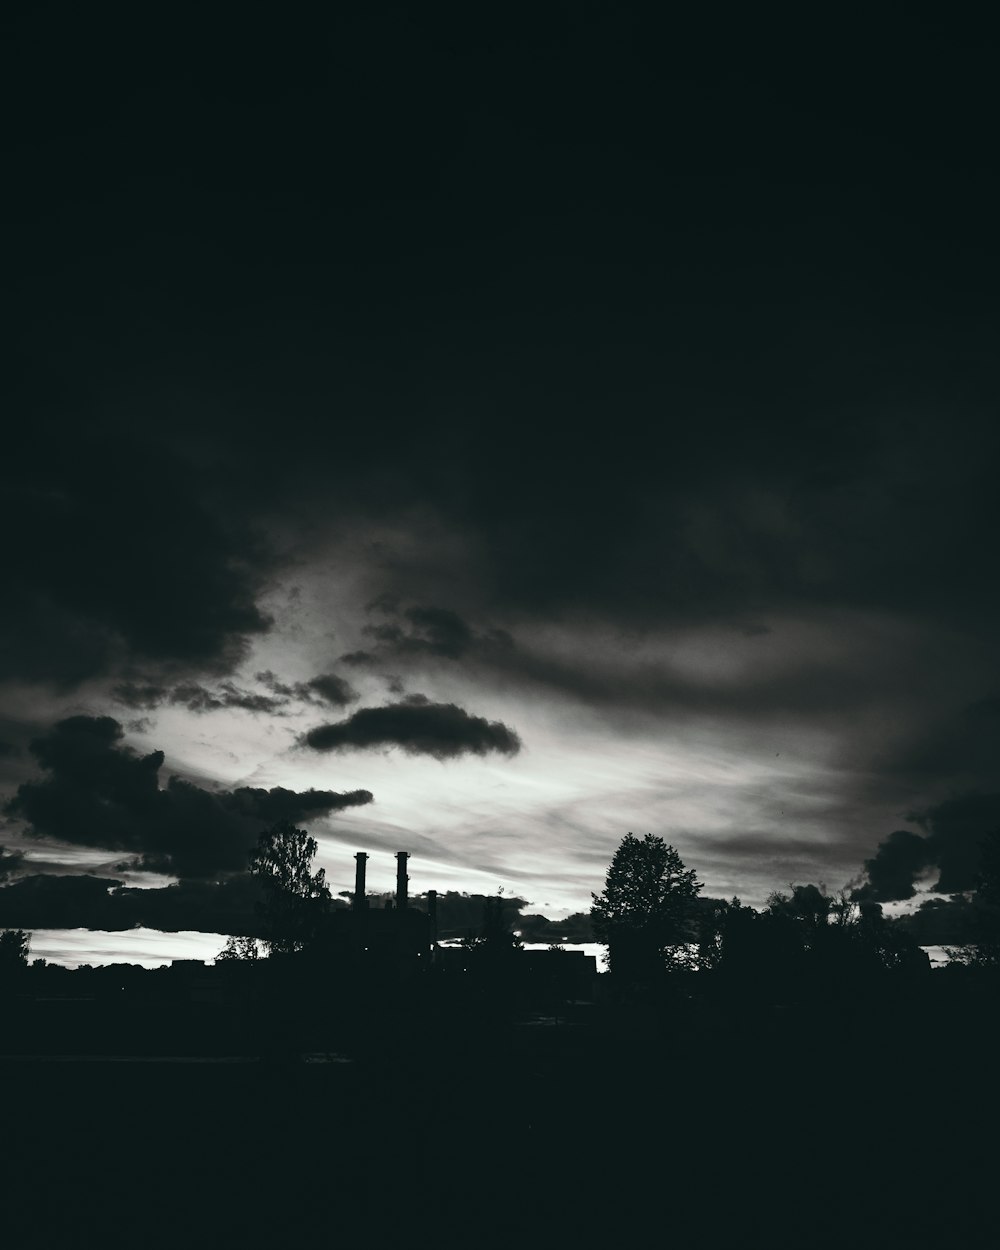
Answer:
(283, 861)
(295, 897)
(647, 890)
(14, 947)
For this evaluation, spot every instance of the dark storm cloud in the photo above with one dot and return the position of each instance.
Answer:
(439, 631)
(98, 792)
(962, 744)
(146, 696)
(65, 902)
(952, 845)
(429, 630)
(763, 673)
(327, 688)
(781, 852)
(956, 829)
(418, 727)
(806, 685)
(10, 863)
(203, 906)
(896, 865)
(90, 902)
(743, 473)
(359, 659)
(121, 557)
(941, 921)
(748, 405)
(7, 749)
(333, 690)
(640, 343)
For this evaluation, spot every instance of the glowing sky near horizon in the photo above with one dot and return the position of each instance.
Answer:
(575, 417)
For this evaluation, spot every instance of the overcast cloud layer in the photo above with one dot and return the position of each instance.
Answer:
(488, 440)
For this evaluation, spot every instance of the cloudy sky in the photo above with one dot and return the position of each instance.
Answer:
(487, 431)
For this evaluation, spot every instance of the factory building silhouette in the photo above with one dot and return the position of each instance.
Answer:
(395, 935)
(399, 940)
(370, 958)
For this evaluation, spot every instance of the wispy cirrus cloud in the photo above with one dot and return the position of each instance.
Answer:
(327, 689)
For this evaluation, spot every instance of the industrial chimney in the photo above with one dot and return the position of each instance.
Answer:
(432, 915)
(359, 902)
(402, 880)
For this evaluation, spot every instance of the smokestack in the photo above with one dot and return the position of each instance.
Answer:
(401, 880)
(432, 915)
(359, 901)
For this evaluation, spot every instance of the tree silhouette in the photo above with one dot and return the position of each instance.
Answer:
(295, 898)
(646, 912)
(240, 948)
(811, 940)
(14, 944)
(809, 904)
(718, 920)
(986, 928)
(983, 948)
(495, 939)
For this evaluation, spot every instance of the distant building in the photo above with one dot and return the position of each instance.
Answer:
(187, 967)
(392, 940)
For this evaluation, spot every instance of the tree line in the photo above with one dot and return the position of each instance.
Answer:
(653, 920)
(650, 915)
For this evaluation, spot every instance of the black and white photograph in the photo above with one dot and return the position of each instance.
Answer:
(499, 668)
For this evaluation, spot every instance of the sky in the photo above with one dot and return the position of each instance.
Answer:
(485, 431)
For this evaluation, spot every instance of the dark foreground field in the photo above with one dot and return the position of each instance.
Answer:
(720, 1127)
